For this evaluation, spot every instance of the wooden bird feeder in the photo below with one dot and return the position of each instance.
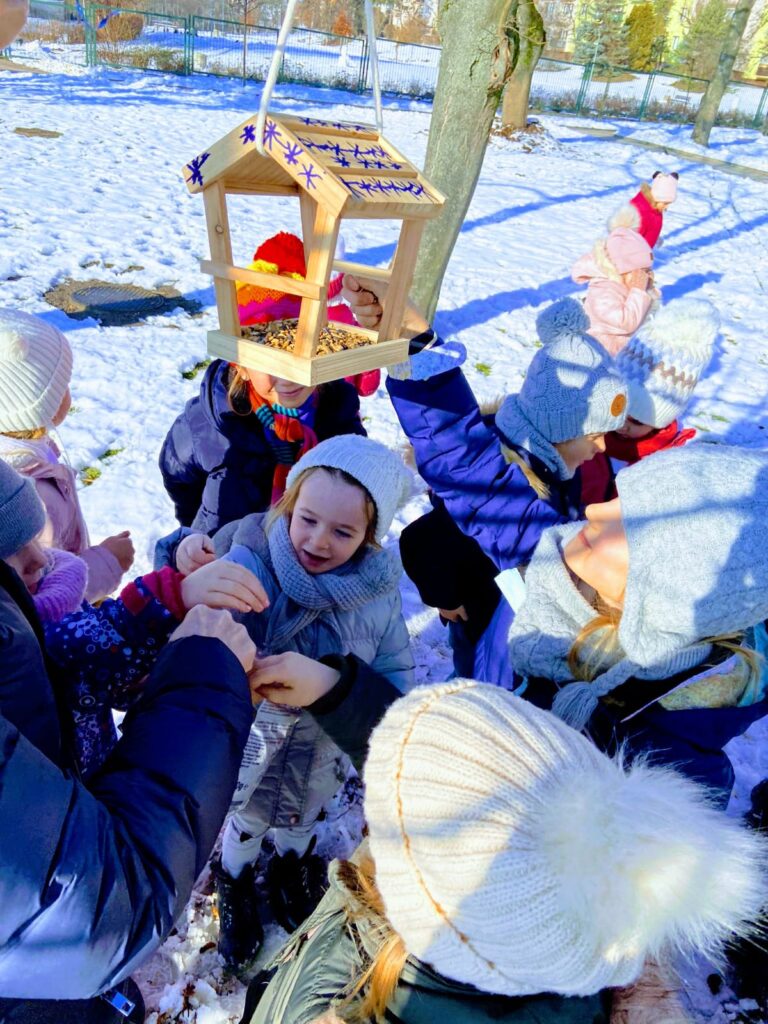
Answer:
(337, 170)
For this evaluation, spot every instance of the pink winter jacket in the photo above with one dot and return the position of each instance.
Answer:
(615, 312)
(65, 527)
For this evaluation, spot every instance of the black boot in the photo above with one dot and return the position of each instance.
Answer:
(240, 930)
(748, 960)
(296, 885)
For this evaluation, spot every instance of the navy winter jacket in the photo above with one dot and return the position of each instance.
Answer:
(91, 880)
(217, 466)
(459, 455)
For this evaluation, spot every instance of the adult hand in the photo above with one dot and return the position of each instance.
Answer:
(291, 678)
(224, 585)
(193, 552)
(121, 546)
(364, 297)
(220, 625)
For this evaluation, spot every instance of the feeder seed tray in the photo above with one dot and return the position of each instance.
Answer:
(282, 334)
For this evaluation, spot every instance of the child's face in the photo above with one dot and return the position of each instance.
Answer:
(29, 562)
(276, 390)
(599, 554)
(580, 449)
(634, 429)
(61, 412)
(328, 523)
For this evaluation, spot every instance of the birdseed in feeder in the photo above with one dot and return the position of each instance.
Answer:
(282, 334)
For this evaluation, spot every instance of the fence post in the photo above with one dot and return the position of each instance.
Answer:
(189, 44)
(91, 52)
(364, 58)
(586, 78)
(646, 96)
(757, 120)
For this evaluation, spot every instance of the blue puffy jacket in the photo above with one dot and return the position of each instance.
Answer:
(217, 465)
(459, 455)
(92, 880)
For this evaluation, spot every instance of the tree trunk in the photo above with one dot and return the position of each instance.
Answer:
(474, 67)
(529, 39)
(710, 103)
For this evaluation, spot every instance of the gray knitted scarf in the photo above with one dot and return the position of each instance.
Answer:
(550, 619)
(299, 598)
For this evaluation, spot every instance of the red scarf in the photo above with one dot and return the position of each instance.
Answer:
(288, 437)
(631, 450)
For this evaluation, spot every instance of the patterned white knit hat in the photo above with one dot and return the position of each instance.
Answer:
(663, 362)
(35, 371)
(514, 856)
(380, 471)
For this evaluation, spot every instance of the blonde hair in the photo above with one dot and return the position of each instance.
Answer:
(599, 640)
(287, 503)
(368, 996)
(511, 456)
(26, 435)
(238, 395)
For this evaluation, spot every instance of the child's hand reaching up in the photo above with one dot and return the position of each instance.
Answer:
(224, 585)
(193, 552)
(121, 546)
(291, 678)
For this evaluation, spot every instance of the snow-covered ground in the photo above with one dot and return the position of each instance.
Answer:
(106, 200)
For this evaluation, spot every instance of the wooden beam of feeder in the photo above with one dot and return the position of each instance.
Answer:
(403, 265)
(361, 270)
(313, 316)
(215, 202)
(275, 282)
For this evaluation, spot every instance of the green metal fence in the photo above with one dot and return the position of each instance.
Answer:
(155, 41)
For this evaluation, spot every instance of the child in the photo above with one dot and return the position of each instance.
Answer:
(513, 874)
(662, 365)
(102, 654)
(620, 292)
(332, 590)
(504, 484)
(284, 254)
(633, 623)
(229, 452)
(35, 371)
(645, 211)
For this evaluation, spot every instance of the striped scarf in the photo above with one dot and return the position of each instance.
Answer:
(287, 435)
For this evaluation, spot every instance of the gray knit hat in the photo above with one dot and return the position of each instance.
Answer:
(35, 370)
(380, 471)
(663, 362)
(572, 387)
(695, 519)
(22, 515)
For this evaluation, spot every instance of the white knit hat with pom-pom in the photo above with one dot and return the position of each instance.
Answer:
(35, 371)
(512, 855)
(663, 362)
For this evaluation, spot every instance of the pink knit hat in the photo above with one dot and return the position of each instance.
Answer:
(664, 187)
(627, 250)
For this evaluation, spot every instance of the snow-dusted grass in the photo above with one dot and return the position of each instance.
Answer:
(108, 192)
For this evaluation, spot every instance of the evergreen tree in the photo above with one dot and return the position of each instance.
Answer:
(641, 37)
(601, 33)
(699, 50)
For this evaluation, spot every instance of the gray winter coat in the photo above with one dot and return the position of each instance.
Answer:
(375, 631)
(325, 955)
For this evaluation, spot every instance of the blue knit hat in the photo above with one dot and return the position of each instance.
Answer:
(380, 471)
(572, 388)
(22, 515)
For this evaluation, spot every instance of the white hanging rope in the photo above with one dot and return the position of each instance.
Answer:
(374, 59)
(277, 60)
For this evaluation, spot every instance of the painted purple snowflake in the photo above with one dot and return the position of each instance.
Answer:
(271, 134)
(292, 152)
(196, 178)
(310, 175)
(249, 134)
